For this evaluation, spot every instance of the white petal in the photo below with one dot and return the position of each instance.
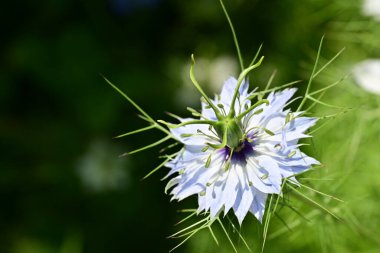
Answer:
(298, 159)
(301, 124)
(208, 197)
(214, 198)
(290, 137)
(294, 130)
(293, 170)
(208, 112)
(195, 139)
(270, 166)
(184, 158)
(195, 181)
(277, 100)
(218, 198)
(243, 203)
(275, 122)
(230, 190)
(172, 183)
(258, 204)
(201, 203)
(228, 90)
(264, 175)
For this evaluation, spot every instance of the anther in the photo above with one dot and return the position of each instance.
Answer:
(205, 148)
(208, 161)
(291, 154)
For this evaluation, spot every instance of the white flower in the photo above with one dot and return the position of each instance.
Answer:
(99, 171)
(371, 8)
(233, 160)
(367, 75)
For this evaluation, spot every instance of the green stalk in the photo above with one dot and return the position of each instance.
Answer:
(242, 75)
(233, 35)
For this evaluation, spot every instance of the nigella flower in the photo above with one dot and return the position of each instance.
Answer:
(236, 153)
(367, 75)
(371, 8)
(240, 149)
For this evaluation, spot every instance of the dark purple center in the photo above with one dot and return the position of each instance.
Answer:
(240, 154)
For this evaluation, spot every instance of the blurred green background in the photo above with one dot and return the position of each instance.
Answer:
(63, 187)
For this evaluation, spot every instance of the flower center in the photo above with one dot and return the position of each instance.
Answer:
(230, 129)
(241, 152)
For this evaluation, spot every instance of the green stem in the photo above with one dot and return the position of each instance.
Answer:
(160, 165)
(311, 76)
(256, 55)
(144, 114)
(190, 122)
(233, 35)
(196, 84)
(149, 146)
(223, 144)
(242, 75)
(263, 101)
(308, 200)
(136, 131)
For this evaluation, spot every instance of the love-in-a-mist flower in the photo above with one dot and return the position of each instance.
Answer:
(371, 8)
(236, 153)
(367, 75)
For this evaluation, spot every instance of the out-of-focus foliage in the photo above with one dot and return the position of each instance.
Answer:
(57, 114)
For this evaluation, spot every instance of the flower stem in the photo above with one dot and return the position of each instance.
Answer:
(190, 122)
(233, 35)
(260, 102)
(242, 75)
(311, 76)
(196, 84)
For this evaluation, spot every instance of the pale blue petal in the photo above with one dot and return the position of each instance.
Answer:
(185, 159)
(244, 196)
(264, 174)
(228, 90)
(195, 181)
(299, 159)
(258, 204)
(218, 198)
(293, 170)
(289, 137)
(277, 100)
(207, 112)
(172, 183)
(254, 176)
(275, 122)
(270, 166)
(201, 203)
(195, 139)
(226, 96)
(230, 190)
(243, 203)
(218, 193)
(301, 124)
